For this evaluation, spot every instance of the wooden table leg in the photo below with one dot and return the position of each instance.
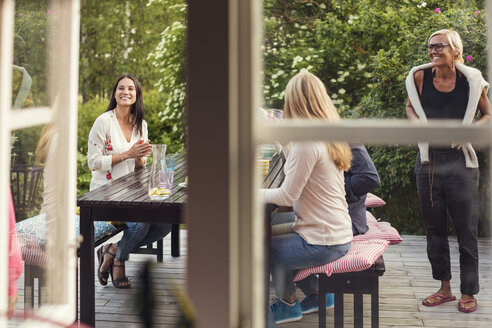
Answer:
(87, 296)
(175, 240)
(268, 241)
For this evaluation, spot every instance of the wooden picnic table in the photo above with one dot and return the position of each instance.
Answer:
(125, 199)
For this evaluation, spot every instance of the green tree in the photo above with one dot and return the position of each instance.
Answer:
(31, 47)
(116, 38)
(168, 57)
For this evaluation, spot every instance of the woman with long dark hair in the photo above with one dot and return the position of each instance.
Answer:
(118, 143)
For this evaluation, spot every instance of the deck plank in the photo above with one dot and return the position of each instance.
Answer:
(406, 281)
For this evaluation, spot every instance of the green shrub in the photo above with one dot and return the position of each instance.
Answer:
(30, 49)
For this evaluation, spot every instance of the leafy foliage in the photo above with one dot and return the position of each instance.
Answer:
(115, 38)
(30, 50)
(168, 58)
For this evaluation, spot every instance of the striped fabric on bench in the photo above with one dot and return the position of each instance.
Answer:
(361, 255)
(32, 236)
(363, 252)
(356, 272)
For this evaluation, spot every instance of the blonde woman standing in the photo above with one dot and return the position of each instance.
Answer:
(447, 177)
(314, 186)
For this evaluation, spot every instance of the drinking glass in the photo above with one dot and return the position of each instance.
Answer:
(170, 162)
(167, 181)
(263, 166)
(168, 175)
(276, 114)
(267, 151)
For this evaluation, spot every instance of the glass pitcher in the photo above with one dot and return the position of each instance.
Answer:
(157, 188)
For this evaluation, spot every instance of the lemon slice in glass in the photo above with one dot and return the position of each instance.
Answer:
(163, 191)
(159, 192)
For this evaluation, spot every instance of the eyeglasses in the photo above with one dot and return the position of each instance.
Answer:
(438, 47)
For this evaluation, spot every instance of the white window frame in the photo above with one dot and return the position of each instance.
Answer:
(245, 284)
(63, 78)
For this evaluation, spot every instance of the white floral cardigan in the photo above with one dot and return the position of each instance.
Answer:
(105, 139)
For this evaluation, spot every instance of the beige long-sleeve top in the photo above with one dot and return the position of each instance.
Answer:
(314, 186)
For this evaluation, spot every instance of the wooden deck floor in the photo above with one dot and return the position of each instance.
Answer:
(407, 280)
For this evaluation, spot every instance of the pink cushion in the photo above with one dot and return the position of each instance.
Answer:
(374, 201)
(32, 253)
(379, 230)
(360, 256)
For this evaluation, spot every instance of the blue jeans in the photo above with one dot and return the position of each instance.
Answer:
(283, 217)
(140, 234)
(290, 253)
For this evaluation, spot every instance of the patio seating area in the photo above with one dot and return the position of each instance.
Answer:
(406, 281)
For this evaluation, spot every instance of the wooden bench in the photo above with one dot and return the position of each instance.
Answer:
(33, 272)
(25, 183)
(356, 283)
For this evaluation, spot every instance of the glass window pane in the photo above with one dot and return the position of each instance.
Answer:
(27, 185)
(30, 62)
(25, 178)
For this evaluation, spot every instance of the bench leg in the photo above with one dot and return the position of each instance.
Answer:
(32, 272)
(356, 283)
(322, 300)
(175, 240)
(375, 303)
(28, 288)
(43, 291)
(160, 247)
(338, 309)
(358, 310)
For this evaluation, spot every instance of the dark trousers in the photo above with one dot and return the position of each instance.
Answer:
(446, 185)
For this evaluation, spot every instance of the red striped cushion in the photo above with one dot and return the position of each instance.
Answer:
(379, 230)
(374, 201)
(32, 253)
(360, 256)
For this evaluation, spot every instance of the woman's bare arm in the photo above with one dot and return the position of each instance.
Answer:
(484, 108)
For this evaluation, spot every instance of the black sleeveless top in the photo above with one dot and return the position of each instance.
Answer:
(437, 104)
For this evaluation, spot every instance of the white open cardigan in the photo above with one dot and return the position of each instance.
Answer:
(476, 83)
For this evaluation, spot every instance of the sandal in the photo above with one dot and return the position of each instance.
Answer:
(462, 305)
(121, 282)
(100, 256)
(442, 299)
